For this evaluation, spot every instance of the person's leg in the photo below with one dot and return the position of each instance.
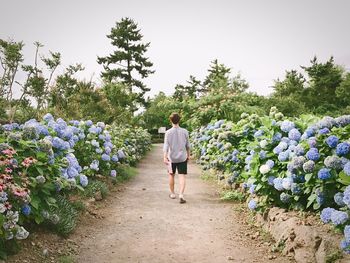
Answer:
(171, 183)
(182, 182)
(182, 168)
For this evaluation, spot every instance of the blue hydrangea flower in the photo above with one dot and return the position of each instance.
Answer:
(26, 209)
(346, 198)
(347, 233)
(295, 188)
(262, 155)
(333, 162)
(270, 163)
(99, 150)
(108, 150)
(252, 205)
(276, 137)
(338, 199)
(324, 174)
(309, 132)
(115, 158)
(277, 183)
(283, 156)
(324, 131)
(105, 157)
(83, 180)
(285, 198)
(339, 217)
(48, 117)
(258, 133)
(277, 150)
(294, 134)
(88, 123)
(332, 141)
(248, 159)
(299, 150)
(345, 246)
(313, 154)
(312, 142)
(286, 126)
(287, 183)
(270, 180)
(346, 169)
(309, 166)
(113, 173)
(3, 197)
(320, 197)
(252, 188)
(94, 165)
(121, 154)
(342, 148)
(326, 214)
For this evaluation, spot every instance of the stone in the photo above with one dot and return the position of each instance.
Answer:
(98, 196)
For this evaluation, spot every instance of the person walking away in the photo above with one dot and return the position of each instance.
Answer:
(176, 155)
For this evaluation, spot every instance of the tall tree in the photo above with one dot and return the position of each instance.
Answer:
(128, 63)
(324, 78)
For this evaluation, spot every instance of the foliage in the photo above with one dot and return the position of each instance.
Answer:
(300, 163)
(42, 163)
(128, 60)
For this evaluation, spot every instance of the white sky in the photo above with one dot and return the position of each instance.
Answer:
(261, 38)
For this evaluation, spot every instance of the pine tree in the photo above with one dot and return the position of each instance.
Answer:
(127, 64)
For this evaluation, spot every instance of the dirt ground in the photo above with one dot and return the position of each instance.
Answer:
(142, 224)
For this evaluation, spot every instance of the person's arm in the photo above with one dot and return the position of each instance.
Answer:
(188, 146)
(165, 149)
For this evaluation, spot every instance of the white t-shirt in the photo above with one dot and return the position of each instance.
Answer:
(176, 143)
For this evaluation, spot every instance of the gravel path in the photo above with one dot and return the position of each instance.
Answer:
(142, 224)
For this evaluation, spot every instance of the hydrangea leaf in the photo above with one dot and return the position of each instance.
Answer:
(308, 177)
(343, 178)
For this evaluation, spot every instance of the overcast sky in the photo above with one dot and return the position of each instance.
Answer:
(260, 39)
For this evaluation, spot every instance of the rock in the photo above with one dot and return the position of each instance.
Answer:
(45, 252)
(98, 196)
(270, 257)
(143, 189)
(230, 258)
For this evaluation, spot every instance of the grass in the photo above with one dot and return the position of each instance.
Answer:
(66, 259)
(208, 176)
(334, 256)
(125, 174)
(232, 195)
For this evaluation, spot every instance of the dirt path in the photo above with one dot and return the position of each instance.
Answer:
(144, 225)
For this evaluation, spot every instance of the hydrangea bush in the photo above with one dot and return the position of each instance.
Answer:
(41, 160)
(300, 163)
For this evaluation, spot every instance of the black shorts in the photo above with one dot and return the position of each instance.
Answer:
(180, 167)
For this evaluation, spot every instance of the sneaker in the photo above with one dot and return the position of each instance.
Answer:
(182, 199)
(172, 196)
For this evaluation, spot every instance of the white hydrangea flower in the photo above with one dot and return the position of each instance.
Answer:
(264, 169)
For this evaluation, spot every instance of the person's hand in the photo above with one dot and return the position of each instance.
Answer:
(166, 160)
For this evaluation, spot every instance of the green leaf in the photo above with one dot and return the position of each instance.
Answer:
(40, 170)
(308, 177)
(50, 200)
(343, 178)
(311, 199)
(35, 201)
(39, 219)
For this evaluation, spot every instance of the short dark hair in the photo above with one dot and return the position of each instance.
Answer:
(175, 118)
